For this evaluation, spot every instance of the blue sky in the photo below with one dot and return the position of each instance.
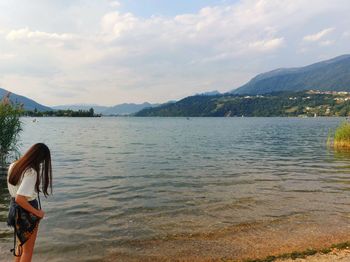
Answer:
(146, 8)
(108, 52)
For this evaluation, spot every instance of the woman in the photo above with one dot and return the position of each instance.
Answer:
(25, 178)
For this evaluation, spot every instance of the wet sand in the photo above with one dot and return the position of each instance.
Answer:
(256, 240)
(335, 255)
(248, 241)
(5, 254)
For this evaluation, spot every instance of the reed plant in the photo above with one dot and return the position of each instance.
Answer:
(10, 128)
(341, 137)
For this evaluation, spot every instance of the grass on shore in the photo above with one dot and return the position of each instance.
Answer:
(303, 254)
(341, 137)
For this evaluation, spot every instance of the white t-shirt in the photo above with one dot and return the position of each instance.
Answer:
(25, 186)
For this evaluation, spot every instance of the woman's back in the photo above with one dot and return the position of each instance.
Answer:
(25, 186)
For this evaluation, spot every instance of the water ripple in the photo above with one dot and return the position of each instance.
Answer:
(123, 180)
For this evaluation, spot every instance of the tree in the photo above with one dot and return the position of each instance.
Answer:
(10, 128)
(91, 111)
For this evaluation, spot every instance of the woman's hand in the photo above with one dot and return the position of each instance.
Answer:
(39, 213)
(23, 202)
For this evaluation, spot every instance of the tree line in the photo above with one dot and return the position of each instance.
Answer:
(61, 113)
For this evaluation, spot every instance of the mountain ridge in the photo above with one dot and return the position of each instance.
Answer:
(328, 75)
(28, 104)
(119, 109)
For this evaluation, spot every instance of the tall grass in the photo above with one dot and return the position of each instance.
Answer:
(341, 139)
(10, 128)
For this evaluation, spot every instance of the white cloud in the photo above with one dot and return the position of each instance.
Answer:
(346, 34)
(319, 35)
(122, 57)
(26, 34)
(7, 56)
(327, 43)
(267, 45)
(113, 24)
(115, 4)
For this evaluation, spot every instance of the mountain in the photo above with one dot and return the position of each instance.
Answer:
(127, 108)
(197, 105)
(28, 103)
(121, 109)
(281, 92)
(302, 103)
(329, 75)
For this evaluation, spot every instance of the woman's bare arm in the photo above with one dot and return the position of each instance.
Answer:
(23, 202)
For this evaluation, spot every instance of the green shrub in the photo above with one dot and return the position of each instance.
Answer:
(10, 128)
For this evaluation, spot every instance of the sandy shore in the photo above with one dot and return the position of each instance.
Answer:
(334, 255)
(248, 241)
(256, 240)
(5, 254)
(342, 255)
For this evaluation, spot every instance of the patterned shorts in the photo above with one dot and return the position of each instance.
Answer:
(24, 222)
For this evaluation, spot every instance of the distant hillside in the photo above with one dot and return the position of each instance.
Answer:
(329, 75)
(303, 103)
(126, 108)
(122, 109)
(198, 105)
(29, 104)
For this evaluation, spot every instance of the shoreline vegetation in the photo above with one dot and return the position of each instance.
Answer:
(62, 113)
(19, 110)
(340, 140)
(10, 129)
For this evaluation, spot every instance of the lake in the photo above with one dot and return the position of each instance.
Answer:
(166, 188)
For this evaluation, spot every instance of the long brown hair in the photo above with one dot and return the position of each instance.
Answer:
(37, 157)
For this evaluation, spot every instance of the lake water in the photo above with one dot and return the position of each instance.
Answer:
(137, 188)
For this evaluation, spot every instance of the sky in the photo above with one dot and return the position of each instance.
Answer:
(109, 52)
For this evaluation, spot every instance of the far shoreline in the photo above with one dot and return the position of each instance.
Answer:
(195, 117)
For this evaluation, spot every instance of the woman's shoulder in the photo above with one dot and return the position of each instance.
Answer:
(29, 172)
(11, 166)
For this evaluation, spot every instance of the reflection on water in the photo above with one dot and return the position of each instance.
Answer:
(341, 154)
(123, 182)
